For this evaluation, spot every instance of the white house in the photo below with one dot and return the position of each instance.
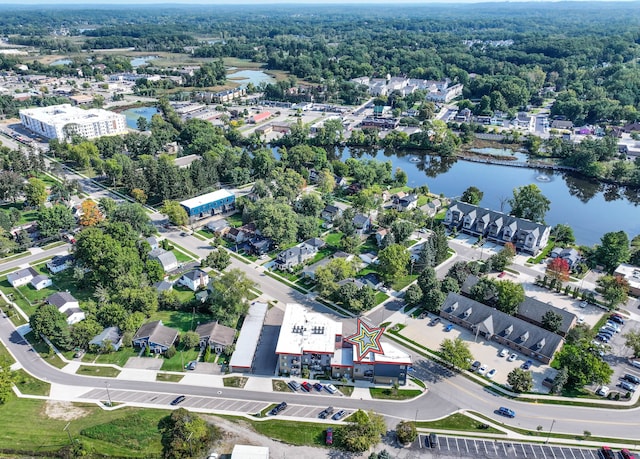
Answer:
(59, 263)
(195, 279)
(41, 281)
(22, 277)
(68, 305)
(167, 260)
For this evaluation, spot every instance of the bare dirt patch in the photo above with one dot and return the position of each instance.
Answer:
(64, 411)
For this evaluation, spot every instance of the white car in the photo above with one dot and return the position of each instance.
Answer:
(512, 357)
(504, 352)
(330, 388)
(482, 370)
(583, 304)
(603, 391)
(491, 373)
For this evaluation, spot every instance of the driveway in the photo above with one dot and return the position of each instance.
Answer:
(144, 363)
(265, 360)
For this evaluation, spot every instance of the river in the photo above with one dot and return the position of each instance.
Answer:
(589, 207)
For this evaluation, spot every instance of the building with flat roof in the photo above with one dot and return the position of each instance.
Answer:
(314, 341)
(631, 274)
(209, 204)
(60, 121)
(247, 343)
(250, 452)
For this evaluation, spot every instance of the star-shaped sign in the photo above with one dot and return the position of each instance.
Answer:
(366, 340)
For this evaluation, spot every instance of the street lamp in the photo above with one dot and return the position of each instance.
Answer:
(106, 384)
(550, 430)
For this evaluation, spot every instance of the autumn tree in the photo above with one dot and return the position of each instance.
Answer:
(558, 269)
(139, 195)
(91, 215)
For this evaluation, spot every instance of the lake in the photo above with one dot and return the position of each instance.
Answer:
(589, 207)
(133, 114)
(250, 76)
(61, 62)
(141, 60)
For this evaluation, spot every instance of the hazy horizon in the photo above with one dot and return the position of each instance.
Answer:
(276, 2)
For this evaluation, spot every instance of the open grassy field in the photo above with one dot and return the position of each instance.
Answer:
(178, 361)
(391, 394)
(29, 385)
(182, 320)
(103, 372)
(118, 357)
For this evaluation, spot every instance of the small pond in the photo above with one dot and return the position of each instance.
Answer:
(61, 62)
(133, 114)
(142, 60)
(251, 76)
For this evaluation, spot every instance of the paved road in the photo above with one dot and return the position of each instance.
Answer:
(41, 255)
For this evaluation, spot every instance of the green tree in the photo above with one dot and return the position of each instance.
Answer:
(406, 432)
(175, 212)
(614, 290)
(142, 299)
(133, 214)
(413, 295)
(632, 340)
(362, 433)
(6, 380)
(472, 195)
(563, 234)
(484, 290)
(551, 321)
(510, 295)
(613, 250)
(327, 276)
(229, 296)
(276, 220)
(142, 124)
(561, 378)
(440, 244)
(35, 192)
(84, 331)
(455, 352)
(54, 219)
(48, 321)
(310, 205)
(186, 435)
(520, 380)
(189, 340)
(217, 259)
(402, 230)
(529, 202)
(393, 261)
(583, 367)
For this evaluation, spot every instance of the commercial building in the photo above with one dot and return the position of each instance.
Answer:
(313, 341)
(60, 121)
(209, 204)
(249, 338)
(632, 275)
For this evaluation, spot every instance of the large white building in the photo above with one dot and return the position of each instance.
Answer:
(50, 122)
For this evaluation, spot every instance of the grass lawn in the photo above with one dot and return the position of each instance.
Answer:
(90, 370)
(45, 434)
(391, 394)
(4, 354)
(292, 432)
(380, 297)
(322, 253)
(333, 239)
(29, 385)
(406, 189)
(234, 220)
(422, 200)
(457, 421)
(178, 361)
(169, 377)
(346, 390)
(235, 381)
(64, 281)
(118, 357)
(369, 246)
(45, 352)
(11, 293)
(36, 296)
(280, 386)
(26, 216)
(182, 257)
(402, 282)
(182, 320)
(206, 233)
(184, 294)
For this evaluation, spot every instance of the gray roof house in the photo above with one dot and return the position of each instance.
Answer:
(22, 276)
(163, 286)
(532, 311)
(110, 334)
(158, 337)
(329, 213)
(407, 203)
(362, 223)
(295, 256)
(167, 260)
(491, 324)
(153, 242)
(216, 335)
(60, 263)
(62, 300)
(525, 235)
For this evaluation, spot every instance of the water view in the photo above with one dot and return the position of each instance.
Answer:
(133, 114)
(61, 62)
(251, 76)
(591, 208)
(142, 60)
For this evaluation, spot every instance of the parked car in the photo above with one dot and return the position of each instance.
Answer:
(612, 325)
(434, 321)
(306, 386)
(504, 352)
(448, 328)
(527, 364)
(603, 391)
(326, 412)
(330, 388)
(603, 338)
(329, 437)
(632, 378)
(491, 373)
(502, 274)
(626, 454)
(317, 386)
(178, 400)
(277, 409)
(339, 415)
(433, 440)
(482, 370)
(583, 304)
(616, 319)
(634, 363)
(512, 357)
(626, 385)
(294, 385)
(192, 365)
(607, 453)
(475, 365)
(506, 412)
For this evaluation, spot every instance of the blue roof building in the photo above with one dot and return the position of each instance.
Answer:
(209, 204)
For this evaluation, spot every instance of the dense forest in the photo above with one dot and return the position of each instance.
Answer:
(506, 52)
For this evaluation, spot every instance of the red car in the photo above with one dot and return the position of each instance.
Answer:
(626, 454)
(329, 437)
(607, 453)
(306, 386)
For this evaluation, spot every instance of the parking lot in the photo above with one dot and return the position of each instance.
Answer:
(618, 357)
(478, 448)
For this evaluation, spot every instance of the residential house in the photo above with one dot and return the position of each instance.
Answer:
(463, 116)
(298, 254)
(572, 256)
(155, 335)
(41, 281)
(217, 336)
(153, 242)
(341, 182)
(525, 235)
(260, 246)
(163, 286)
(362, 223)
(407, 203)
(67, 305)
(330, 213)
(371, 280)
(236, 235)
(59, 263)
(524, 121)
(109, 336)
(219, 227)
(21, 277)
(369, 258)
(194, 280)
(432, 207)
(167, 259)
(494, 325)
(380, 235)
(562, 124)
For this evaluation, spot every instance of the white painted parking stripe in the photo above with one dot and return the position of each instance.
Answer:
(466, 446)
(504, 448)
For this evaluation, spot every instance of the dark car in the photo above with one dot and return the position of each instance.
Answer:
(277, 409)
(177, 400)
(617, 319)
(326, 412)
(306, 386)
(433, 440)
(527, 365)
(607, 453)
(506, 412)
(339, 415)
(434, 321)
(294, 385)
(329, 438)
(632, 378)
(192, 365)
(317, 386)
(475, 365)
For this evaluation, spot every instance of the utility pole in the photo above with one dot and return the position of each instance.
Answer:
(550, 430)
(106, 384)
(66, 428)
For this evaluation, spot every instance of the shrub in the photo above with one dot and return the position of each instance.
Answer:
(406, 432)
(169, 353)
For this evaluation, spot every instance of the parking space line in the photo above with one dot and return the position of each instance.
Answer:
(466, 446)
(504, 448)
